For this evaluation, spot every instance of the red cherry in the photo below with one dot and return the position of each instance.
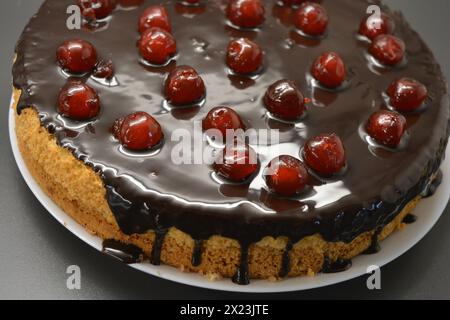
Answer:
(388, 49)
(96, 9)
(373, 26)
(244, 56)
(157, 46)
(386, 127)
(407, 94)
(104, 69)
(78, 101)
(184, 86)
(223, 119)
(246, 13)
(311, 18)
(286, 176)
(284, 100)
(237, 162)
(77, 56)
(138, 131)
(329, 70)
(325, 154)
(155, 16)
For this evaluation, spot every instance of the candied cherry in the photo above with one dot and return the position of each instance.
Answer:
(237, 162)
(244, 56)
(157, 46)
(386, 127)
(184, 86)
(77, 56)
(286, 176)
(104, 69)
(329, 70)
(373, 26)
(311, 19)
(406, 94)
(155, 16)
(78, 101)
(388, 49)
(138, 131)
(325, 154)
(284, 100)
(96, 9)
(222, 118)
(246, 13)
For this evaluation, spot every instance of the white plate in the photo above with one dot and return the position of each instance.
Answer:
(429, 210)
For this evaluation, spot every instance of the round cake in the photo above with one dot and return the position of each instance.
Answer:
(117, 102)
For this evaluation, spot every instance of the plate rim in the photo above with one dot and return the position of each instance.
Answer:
(418, 231)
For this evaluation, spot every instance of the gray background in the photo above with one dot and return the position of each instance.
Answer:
(35, 250)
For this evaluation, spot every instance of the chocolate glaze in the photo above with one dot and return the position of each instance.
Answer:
(242, 276)
(374, 244)
(339, 265)
(155, 256)
(197, 253)
(126, 253)
(286, 261)
(149, 193)
(409, 219)
(432, 185)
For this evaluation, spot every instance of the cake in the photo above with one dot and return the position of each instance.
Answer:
(359, 104)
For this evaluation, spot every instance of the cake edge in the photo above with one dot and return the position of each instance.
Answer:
(80, 192)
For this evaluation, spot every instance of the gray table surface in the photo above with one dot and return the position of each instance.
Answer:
(35, 250)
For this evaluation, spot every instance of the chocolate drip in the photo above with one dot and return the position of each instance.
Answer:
(374, 244)
(409, 219)
(155, 257)
(339, 265)
(126, 253)
(242, 276)
(431, 187)
(141, 188)
(197, 253)
(286, 261)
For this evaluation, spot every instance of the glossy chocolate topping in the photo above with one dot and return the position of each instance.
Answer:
(150, 192)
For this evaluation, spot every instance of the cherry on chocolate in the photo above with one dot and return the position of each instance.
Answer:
(96, 9)
(138, 131)
(311, 19)
(406, 94)
(157, 46)
(78, 101)
(104, 69)
(325, 154)
(244, 56)
(238, 162)
(155, 16)
(286, 176)
(388, 49)
(386, 127)
(329, 70)
(77, 56)
(373, 26)
(246, 13)
(223, 118)
(184, 86)
(284, 100)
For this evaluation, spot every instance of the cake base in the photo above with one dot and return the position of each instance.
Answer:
(80, 192)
